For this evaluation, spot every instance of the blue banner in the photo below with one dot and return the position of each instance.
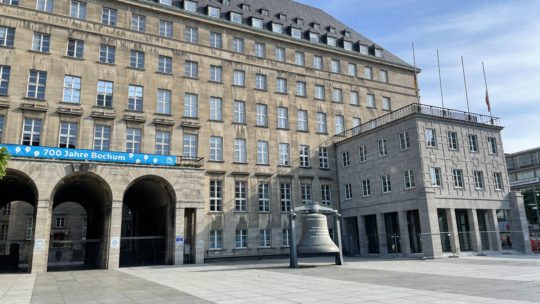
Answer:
(89, 155)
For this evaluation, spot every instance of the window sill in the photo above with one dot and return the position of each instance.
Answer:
(216, 249)
(39, 52)
(264, 127)
(190, 117)
(215, 120)
(284, 129)
(261, 90)
(354, 105)
(216, 161)
(240, 123)
(322, 133)
(264, 165)
(305, 167)
(136, 69)
(239, 86)
(73, 58)
(215, 82)
(164, 73)
(215, 212)
(284, 166)
(7, 47)
(163, 114)
(303, 131)
(240, 211)
(106, 63)
(188, 77)
(240, 163)
(282, 93)
(33, 99)
(324, 169)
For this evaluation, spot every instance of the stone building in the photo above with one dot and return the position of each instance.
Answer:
(428, 181)
(186, 126)
(524, 169)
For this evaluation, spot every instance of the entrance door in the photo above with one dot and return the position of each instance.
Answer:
(464, 233)
(372, 233)
(189, 234)
(483, 229)
(444, 231)
(413, 225)
(351, 239)
(393, 238)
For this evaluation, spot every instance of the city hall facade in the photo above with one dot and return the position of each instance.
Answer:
(170, 132)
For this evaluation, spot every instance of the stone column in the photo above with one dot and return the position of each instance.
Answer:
(42, 235)
(453, 229)
(362, 236)
(518, 224)
(179, 236)
(495, 234)
(404, 233)
(200, 235)
(476, 240)
(381, 231)
(114, 235)
(431, 232)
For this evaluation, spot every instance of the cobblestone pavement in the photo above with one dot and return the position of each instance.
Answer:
(500, 279)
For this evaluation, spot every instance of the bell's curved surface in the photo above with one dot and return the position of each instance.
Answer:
(315, 236)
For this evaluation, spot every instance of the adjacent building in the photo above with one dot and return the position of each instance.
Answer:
(524, 169)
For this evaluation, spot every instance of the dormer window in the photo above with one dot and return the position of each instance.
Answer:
(214, 12)
(331, 41)
(225, 2)
(379, 52)
(314, 37)
(316, 26)
(347, 45)
(190, 6)
(165, 2)
(236, 17)
(364, 49)
(347, 34)
(331, 29)
(264, 12)
(277, 28)
(282, 16)
(245, 7)
(296, 33)
(256, 22)
(300, 21)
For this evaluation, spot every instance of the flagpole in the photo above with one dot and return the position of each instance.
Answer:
(415, 75)
(466, 92)
(487, 92)
(440, 78)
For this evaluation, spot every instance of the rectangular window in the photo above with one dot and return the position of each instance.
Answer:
(262, 153)
(303, 121)
(281, 54)
(239, 78)
(239, 112)
(31, 135)
(285, 237)
(352, 70)
(41, 42)
(299, 58)
(107, 54)
(240, 196)
(265, 237)
(4, 231)
(29, 228)
(356, 122)
(191, 69)
(216, 106)
(216, 196)
(355, 98)
(138, 23)
(314, 37)
(216, 239)
(102, 138)
(262, 115)
(368, 73)
(383, 76)
(337, 95)
(165, 28)
(453, 141)
(190, 6)
(216, 40)
(191, 34)
(260, 82)
(435, 174)
(304, 156)
(321, 123)
(68, 135)
(2, 119)
(386, 184)
(492, 145)
(335, 66)
(457, 176)
(108, 16)
(281, 85)
(386, 103)
(430, 137)
(238, 45)
(7, 36)
(319, 92)
(37, 83)
(381, 146)
(236, 17)
(264, 197)
(324, 162)
(133, 140)
(190, 146)
(301, 89)
(331, 41)
(284, 156)
(283, 118)
(256, 22)
(497, 176)
(163, 105)
(241, 239)
(340, 124)
(60, 222)
(135, 98)
(78, 10)
(473, 143)
(75, 48)
(348, 191)
(72, 89)
(366, 187)
(216, 148)
(216, 73)
(165, 64)
(163, 143)
(345, 159)
(296, 33)
(191, 105)
(479, 179)
(362, 150)
(326, 195)
(285, 197)
(104, 94)
(305, 193)
(318, 62)
(260, 50)
(408, 179)
(370, 101)
(136, 60)
(404, 141)
(214, 12)
(277, 28)
(45, 5)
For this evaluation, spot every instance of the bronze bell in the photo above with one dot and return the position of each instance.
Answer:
(315, 235)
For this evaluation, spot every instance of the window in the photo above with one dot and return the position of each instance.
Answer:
(37, 83)
(303, 121)
(386, 184)
(214, 12)
(319, 92)
(355, 98)
(285, 197)
(492, 145)
(45, 5)
(256, 22)
(497, 176)
(304, 156)
(108, 16)
(216, 106)
(301, 89)
(277, 28)
(138, 23)
(368, 73)
(262, 153)
(165, 28)
(283, 118)
(281, 54)
(216, 73)
(457, 176)
(136, 60)
(216, 196)
(2, 118)
(216, 148)
(383, 76)
(165, 64)
(191, 105)
(473, 143)
(284, 156)
(133, 140)
(260, 82)
(314, 37)
(386, 104)
(240, 150)
(321, 123)
(337, 95)
(191, 69)
(347, 45)
(335, 66)
(75, 48)
(191, 34)
(378, 53)
(356, 122)
(216, 40)
(281, 85)
(68, 135)
(479, 179)
(239, 112)
(163, 102)
(326, 195)
(262, 115)
(216, 239)
(4, 231)
(323, 158)
(408, 179)
(236, 17)
(305, 193)
(102, 138)
(240, 196)
(60, 222)
(241, 238)
(238, 45)
(104, 94)
(265, 236)
(29, 228)
(285, 237)
(264, 197)
(340, 124)
(107, 54)
(190, 6)
(239, 78)
(452, 141)
(404, 141)
(370, 101)
(78, 10)
(41, 42)
(362, 150)
(135, 98)
(260, 50)
(366, 187)
(296, 33)
(299, 58)
(435, 174)
(352, 69)
(163, 143)
(318, 62)
(431, 139)
(348, 191)
(7, 36)
(72, 89)
(190, 146)
(381, 146)
(345, 159)
(31, 132)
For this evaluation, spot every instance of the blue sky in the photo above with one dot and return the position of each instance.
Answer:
(503, 34)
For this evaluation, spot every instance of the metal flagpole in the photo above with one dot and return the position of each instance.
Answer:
(487, 93)
(466, 93)
(415, 75)
(440, 78)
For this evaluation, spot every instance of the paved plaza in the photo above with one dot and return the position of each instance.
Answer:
(500, 279)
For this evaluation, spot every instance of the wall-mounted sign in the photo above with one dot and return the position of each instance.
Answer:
(89, 155)
(115, 242)
(39, 244)
(525, 182)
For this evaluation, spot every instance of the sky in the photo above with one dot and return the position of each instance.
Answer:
(503, 34)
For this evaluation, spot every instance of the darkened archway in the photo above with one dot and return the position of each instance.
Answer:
(18, 201)
(148, 223)
(80, 223)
